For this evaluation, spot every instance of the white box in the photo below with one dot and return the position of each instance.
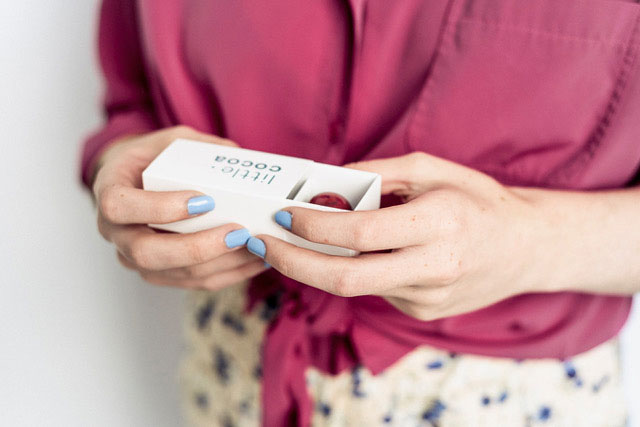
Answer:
(249, 187)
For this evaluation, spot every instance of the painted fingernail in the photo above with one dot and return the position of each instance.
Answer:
(267, 265)
(200, 204)
(283, 218)
(237, 238)
(256, 247)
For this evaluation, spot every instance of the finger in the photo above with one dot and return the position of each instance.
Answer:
(165, 137)
(117, 187)
(150, 250)
(388, 228)
(125, 262)
(213, 282)
(121, 204)
(223, 263)
(230, 277)
(397, 172)
(415, 172)
(344, 276)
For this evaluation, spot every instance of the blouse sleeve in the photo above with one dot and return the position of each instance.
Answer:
(126, 104)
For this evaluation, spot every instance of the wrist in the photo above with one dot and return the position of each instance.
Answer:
(583, 241)
(536, 242)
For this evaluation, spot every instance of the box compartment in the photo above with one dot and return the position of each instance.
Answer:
(349, 183)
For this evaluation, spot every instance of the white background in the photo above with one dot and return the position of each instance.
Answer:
(82, 341)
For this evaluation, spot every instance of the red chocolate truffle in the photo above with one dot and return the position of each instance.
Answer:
(332, 200)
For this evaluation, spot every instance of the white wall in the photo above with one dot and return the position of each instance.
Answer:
(82, 342)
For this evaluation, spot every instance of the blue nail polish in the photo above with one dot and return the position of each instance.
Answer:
(267, 265)
(283, 218)
(200, 204)
(256, 247)
(237, 238)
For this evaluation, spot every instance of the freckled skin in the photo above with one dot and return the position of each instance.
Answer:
(332, 200)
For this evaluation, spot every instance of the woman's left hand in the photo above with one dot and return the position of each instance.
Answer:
(461, 242)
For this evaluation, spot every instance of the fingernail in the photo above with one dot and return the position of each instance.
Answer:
(237, 238)
(283, 218)
(256, 247)
(267, 265)
(200, 204)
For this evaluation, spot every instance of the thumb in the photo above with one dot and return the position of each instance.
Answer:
(405, 176)
(413, 174)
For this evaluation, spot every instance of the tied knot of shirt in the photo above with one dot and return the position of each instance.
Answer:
(312, 329)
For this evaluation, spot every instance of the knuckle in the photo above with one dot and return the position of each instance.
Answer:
(152, 279)
(122, 260)
(139, 253)
(416, 160)
(449, 272)
(455, 225)
(190, 271)
(102, 227)
(181, 130)
(308, 230)
(108, 204)
(361, 236)
(452, 208)
(416, 156)
(285, 266)
(346, 284)
(197, 253)
(147, 276)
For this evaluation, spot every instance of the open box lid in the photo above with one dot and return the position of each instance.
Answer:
(219, 166)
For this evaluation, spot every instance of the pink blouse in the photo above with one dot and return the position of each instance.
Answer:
(541, 93)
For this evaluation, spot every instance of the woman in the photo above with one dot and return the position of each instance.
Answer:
(492, 287)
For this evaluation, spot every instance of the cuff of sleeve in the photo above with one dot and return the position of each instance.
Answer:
(119, 125)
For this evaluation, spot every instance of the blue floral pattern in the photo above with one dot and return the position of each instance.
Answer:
(221, 377)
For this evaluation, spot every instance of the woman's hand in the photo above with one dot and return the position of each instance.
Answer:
(208, 259)
(461, 242)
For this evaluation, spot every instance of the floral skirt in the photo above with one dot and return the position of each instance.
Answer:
(221, 374)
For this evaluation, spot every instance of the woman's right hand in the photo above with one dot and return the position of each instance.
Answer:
(209, 259)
